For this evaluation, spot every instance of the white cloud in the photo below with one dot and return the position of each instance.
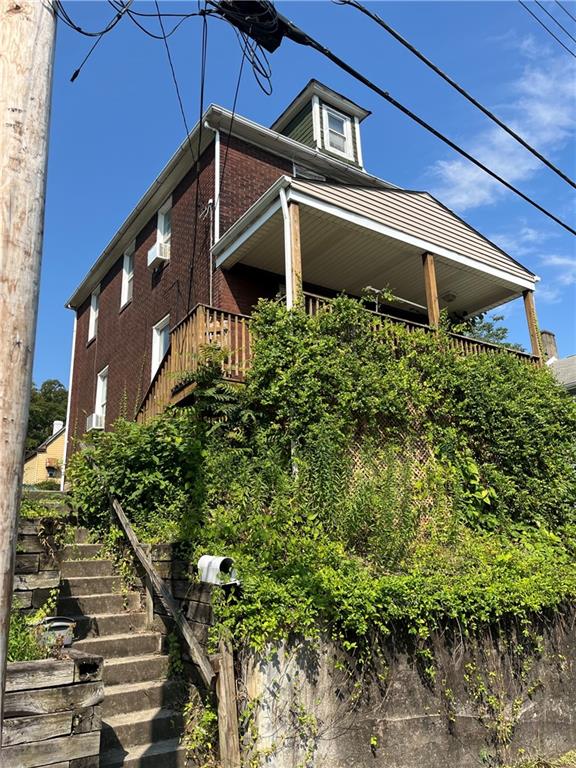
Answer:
(542, 109)
(527, 242)
(566, 266)
(548, 294)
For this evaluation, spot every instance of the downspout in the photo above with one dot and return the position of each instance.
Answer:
(214, 209)
(69, 403)
(287, 249)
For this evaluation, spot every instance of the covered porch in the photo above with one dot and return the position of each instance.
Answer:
(307, 241)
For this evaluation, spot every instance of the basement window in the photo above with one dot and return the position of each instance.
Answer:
(337, 132)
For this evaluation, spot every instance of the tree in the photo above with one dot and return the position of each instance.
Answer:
(487, 328)
(47, 404)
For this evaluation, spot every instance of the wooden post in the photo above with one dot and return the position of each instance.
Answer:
(431, 290)
(296, 253)
(228, 734)
(27, 29)
(530, 308)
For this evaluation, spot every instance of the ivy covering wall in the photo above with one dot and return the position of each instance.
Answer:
(364, 478)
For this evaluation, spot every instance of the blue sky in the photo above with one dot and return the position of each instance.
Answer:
(117, 125)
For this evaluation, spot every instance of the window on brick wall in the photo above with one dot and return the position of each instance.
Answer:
(165, 222)
(101, 396)
(93, 317)
(160, 343)
(127, 276)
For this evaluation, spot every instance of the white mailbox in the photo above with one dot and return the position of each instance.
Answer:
(217, 570)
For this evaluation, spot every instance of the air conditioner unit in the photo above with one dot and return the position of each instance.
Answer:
(159, 254)
(94, 421)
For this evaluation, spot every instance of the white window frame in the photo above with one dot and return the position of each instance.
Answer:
(161, 237)
(347, 120)
(101, 395)
(93, 316)
(157, 351)
(127, 276)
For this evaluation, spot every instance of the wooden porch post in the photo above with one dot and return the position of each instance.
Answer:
(296, 253)
(530, 308)
(431, 290)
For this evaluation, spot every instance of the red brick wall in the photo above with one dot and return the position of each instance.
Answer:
(124, 338)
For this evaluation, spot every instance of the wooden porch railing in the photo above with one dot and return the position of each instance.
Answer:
(465, 344)
(204, 327)
(209, 327)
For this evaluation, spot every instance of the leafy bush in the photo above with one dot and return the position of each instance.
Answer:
(366, 477)
(153, 470)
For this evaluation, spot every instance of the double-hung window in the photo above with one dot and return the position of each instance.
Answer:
(127, 276)
(101, 396)
(160, 343)
(93, 316)
(165, 222)
(337, 132)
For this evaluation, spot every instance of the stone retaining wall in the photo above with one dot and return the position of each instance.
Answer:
(52, 713)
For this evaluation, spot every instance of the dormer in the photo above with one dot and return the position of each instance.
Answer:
(321, 118)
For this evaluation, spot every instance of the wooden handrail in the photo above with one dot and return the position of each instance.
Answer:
(197, 653)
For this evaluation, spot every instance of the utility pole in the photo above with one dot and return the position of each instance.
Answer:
(27, 33)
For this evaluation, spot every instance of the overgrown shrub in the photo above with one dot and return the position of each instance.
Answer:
(365, 477)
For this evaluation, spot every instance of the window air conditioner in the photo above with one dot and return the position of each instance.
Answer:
(158, 254)
(94, 421)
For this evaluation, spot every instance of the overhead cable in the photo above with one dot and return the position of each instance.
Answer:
(380, 21)
(539, 20)
(294, 33)
(565, 9)
(554, 19)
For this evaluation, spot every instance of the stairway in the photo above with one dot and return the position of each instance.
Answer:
(141, 718)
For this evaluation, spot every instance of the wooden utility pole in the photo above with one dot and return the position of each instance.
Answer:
(27, 31)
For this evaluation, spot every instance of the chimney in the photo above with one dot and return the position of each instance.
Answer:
(549, 345)
(57, 426)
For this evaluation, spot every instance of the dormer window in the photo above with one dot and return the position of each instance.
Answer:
(337, 132)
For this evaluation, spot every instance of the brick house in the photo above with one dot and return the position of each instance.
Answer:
(288, 210)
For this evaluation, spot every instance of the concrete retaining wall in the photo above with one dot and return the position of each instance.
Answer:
(52, 713)
(487, 703)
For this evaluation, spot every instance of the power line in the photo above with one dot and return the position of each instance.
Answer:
(297, 35)
(565, 9)
(534, 16)
(554, 19)
(363, 9)
(203, 57)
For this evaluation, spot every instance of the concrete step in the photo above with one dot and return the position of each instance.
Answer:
(144, 727)
(90, 605)
(80, 552)
(90, 585)
(82, 536)
(75, 568)
(134, 670)
(127, 644)
(130, 697)
(168, 754)
(101, 625)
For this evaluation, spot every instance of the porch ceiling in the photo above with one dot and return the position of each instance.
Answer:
(346, 255)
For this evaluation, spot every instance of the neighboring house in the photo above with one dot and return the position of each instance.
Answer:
(288, 210)
(563, 368)
(46, 461)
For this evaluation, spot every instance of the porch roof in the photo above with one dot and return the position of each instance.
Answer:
(352, 237)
